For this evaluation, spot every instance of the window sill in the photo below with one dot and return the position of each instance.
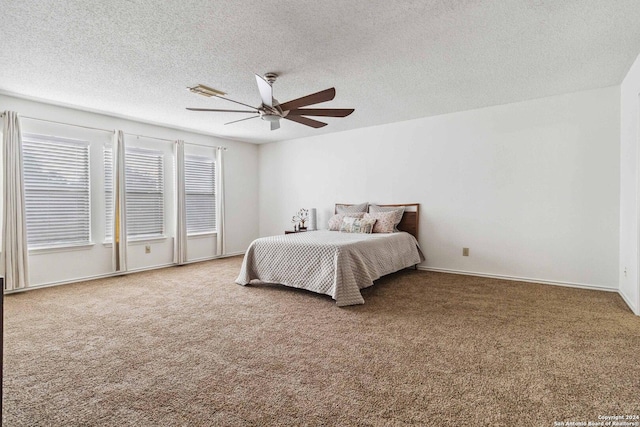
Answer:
(65, 248)
(143, 240)
(200, 235)
(137, 241)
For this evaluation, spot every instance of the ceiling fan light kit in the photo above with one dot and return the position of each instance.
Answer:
(272, 111)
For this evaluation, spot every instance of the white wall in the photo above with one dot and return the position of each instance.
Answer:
(629, 186)
(241, 186)
(532, 188)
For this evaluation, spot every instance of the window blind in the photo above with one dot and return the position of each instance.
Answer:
(56, 184)
(200, 194)
(145, 192)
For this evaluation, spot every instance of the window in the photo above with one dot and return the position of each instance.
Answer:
(56, 184)
(200, 197)
(145, 193)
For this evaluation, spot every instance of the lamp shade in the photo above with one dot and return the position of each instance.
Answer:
(313, 221)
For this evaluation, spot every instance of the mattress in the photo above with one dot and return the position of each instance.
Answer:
(329, 262)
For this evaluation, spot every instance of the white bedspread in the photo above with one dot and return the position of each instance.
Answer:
(329, 262)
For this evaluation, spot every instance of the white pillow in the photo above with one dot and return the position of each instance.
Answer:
(384, 221)
(399, 210)
(344, 209)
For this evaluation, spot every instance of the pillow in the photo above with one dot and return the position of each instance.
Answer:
(399, 210)
(384, 221)
(356, 225)
(344, 209)
(336, 221)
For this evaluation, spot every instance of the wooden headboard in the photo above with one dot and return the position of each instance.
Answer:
(410, 219)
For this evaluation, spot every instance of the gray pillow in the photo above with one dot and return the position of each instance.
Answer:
(344, 209)
(398, 209)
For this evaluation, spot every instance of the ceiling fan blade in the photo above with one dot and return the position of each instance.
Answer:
(266, 91)
(327, 112)
(306, 121)
(221, 111)
(241, 120)
(275, 125)
(236, 102)
(314, 98)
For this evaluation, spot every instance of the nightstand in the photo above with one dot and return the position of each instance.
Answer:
(291, 231)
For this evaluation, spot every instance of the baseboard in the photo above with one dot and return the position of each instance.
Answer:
(138, 270)
(62, 282)
(627, 301)
(519, 279)
(112, 274)
(191, 261)
(231, 254)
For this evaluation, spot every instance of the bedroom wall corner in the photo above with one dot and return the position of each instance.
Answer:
(241, 196)
(629, 278)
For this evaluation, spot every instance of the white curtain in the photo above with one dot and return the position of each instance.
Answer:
(221, 243)
(15, 254)
(180, 241)
(119, 205)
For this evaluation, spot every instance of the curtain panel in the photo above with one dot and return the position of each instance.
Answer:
(15, 254)
(119, 204)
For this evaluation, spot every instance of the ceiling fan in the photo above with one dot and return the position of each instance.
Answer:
(272, 111)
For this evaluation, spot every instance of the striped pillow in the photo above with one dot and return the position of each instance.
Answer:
(336, 221)
(355, 225)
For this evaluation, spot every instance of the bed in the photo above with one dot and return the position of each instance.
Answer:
(333, 263)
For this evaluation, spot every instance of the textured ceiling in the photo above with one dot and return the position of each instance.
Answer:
(391, 61)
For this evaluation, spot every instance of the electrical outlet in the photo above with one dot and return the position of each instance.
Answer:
(465, 251)
(147, 249)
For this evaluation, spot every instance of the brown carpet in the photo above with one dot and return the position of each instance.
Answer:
(186, 346)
